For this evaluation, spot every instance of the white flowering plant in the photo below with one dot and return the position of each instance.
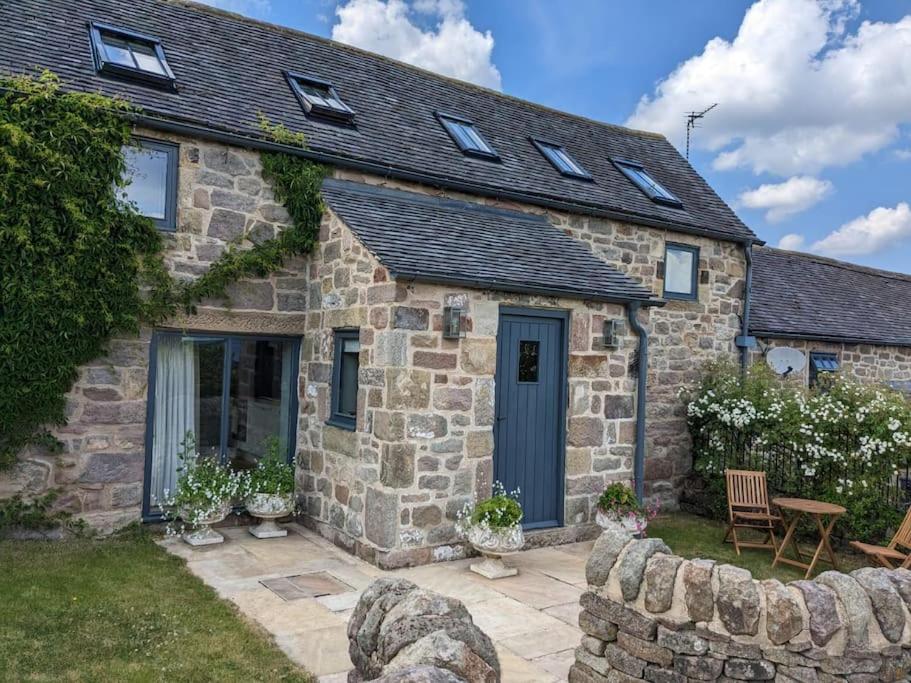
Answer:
(205, 488)
(501, 511)
(843, 441)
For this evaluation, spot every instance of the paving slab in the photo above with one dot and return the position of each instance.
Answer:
(531, 617)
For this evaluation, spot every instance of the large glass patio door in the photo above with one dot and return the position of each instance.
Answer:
(233, 394)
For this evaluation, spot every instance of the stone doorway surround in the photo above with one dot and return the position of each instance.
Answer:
(532, 617)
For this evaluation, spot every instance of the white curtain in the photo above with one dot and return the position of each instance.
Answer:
(175, 410)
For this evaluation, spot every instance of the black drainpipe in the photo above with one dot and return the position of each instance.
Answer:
(632, 312)
(745, 341)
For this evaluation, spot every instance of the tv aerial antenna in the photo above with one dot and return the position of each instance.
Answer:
(691, 123)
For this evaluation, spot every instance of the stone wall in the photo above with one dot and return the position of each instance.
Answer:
(865, 362)
(391, 490)
(683, 335)
(222, 200)
(399, 633)
(649, 615)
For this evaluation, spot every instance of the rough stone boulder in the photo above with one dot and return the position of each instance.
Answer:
(400, 633)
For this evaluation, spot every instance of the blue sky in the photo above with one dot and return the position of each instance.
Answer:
(811, 140)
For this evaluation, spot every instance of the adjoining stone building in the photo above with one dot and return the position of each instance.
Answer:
(842, 316)
(487, 275)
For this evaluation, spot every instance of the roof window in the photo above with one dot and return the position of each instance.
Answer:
(467, 137)
(561, 160)
(319, 99)
(130, 55)
(645, 182)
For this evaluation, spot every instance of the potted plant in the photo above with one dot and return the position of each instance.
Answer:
(269, 491)
(494, 528)
(618, 505)
(203, 496)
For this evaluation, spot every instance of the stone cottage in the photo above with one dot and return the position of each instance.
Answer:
(841, 316)
(501, 291)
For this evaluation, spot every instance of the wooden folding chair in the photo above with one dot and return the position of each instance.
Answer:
(748, 508)
(890, 555)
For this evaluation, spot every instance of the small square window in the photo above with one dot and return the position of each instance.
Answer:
(319, 99)
(467, 137)
(345, 368)
(681, 264)
(127, 54)
(645, 182)
(561, 160)
(822, 364)
(528, 361)
(151, 172)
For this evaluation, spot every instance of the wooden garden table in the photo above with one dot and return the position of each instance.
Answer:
(819, 511)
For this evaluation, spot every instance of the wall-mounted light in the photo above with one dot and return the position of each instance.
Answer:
(611, 338)
(453, 322)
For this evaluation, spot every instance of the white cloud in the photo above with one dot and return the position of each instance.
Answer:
(796, 91)
(791, 242)
(786, 199)
(452, 47)
(250, 8)
(903, 154)
(881, 228)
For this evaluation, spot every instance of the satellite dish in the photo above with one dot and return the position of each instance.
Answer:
(785, 360)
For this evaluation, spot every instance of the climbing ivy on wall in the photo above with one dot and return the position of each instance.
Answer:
(77, 266)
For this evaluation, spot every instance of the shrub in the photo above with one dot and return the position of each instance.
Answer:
(619, 498)
(843, 442)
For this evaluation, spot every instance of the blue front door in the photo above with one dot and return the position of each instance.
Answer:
(530, 411)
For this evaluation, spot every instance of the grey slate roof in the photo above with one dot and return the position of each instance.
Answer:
(434, 239)
(230, 68)
(805, 296)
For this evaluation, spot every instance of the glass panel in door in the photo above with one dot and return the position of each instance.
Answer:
(260, 400)
(189, 381)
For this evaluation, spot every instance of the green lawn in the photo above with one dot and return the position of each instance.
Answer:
(122, 609)
(691, 536)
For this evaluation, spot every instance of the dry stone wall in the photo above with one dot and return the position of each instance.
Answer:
(222, 200)
(650, 615)
(391, 490)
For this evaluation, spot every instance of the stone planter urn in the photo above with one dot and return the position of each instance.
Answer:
(633, 522)
(268, 507)
(203, 533)
(493, 544)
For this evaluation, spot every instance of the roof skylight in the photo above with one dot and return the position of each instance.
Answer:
(319, 99)
(645, 182)
(561, 160)
(127, 54)
(467, 137)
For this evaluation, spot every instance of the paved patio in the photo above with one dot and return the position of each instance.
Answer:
(313, 587)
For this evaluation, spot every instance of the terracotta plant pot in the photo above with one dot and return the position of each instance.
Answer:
(268, 507)
(493, 544)
(203, 534)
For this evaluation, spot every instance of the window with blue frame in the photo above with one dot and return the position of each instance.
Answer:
(467, 137)
(129, 55)
(319, 98)
(561, 159)
(231, 394)
(644, 180)
(820, 365)
(151, 176)
(345, 368)
(681, 269)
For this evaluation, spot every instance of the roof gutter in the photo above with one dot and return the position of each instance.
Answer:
(251, 142)
(765, 334)
(632, 312)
